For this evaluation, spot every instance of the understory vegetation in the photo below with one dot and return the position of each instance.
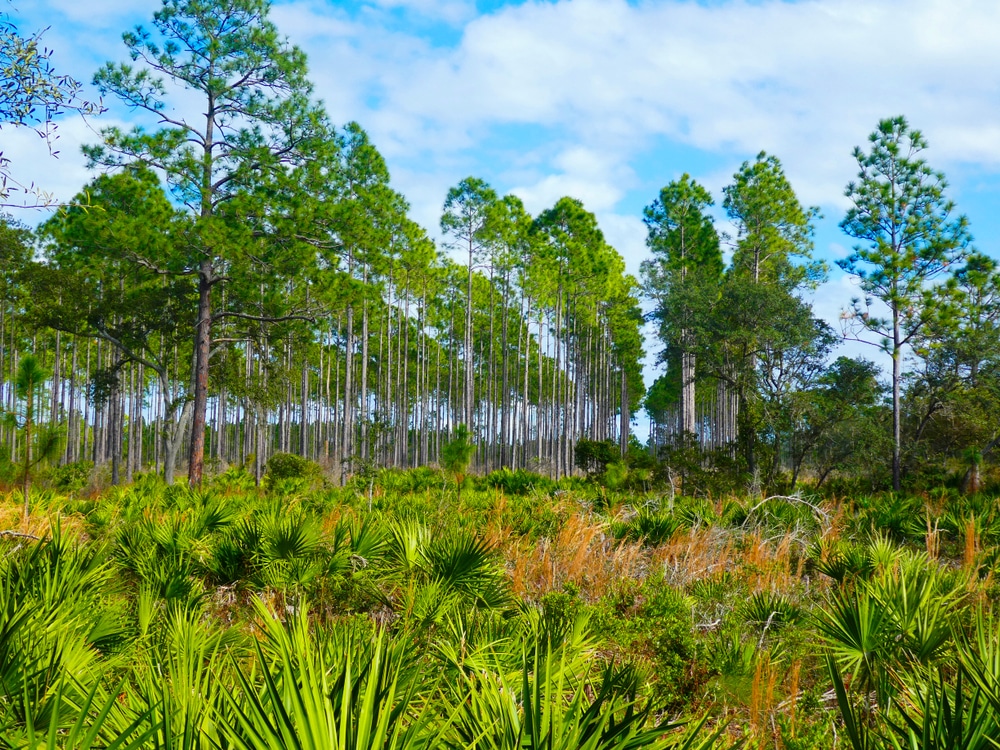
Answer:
(521, 613)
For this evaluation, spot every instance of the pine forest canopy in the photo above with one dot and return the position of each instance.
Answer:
(240, 278)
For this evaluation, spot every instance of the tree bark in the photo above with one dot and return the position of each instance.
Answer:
(196, 455)
(896, 427)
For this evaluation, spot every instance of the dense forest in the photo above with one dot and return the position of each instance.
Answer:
(416, 513)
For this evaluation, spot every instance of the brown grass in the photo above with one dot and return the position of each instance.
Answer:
(39, 523)
(793, 694)
(933, 541)
(692, 555)
(582, 553)
(971, 543)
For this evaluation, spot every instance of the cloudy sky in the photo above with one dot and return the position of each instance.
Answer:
(608, 100)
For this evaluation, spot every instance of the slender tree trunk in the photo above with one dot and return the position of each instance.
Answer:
(896, 427)
(687, 389)
(538, 404)
(196, 456)
(404, 412)
(84, 451)
(363, 385)
(348, 416)
(437, 403)
(304, 406)
(29, 419)
(54, 416)
(624, 431)
(73, 430)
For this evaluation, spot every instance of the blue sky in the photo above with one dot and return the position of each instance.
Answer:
(608, 100)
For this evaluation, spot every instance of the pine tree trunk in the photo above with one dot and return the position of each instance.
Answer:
(896, 409)
(196, 456)
(348, 410)
(363, 385)
(687, 389)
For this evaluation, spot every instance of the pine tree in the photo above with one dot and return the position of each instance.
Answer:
(683, 277)
(909, 237)
(252, 128)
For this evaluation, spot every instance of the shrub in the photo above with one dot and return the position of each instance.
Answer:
(71, 477)
(766, 610)
(651, 527)
(518, 481)
(560, 611)
(288, 466)
(593, 456)
(654, 620)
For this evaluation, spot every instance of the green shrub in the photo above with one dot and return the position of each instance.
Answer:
(560, 611)
(651, 527)
(593, 456)
(71, 477)
(290, 466)
(518, 481)
(768, 611)
(654, 620)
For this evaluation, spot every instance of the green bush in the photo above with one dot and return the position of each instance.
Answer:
(654, 620)
(560, 611)
(71, 477)
(282, 467)
(518, 481)
(593, 456)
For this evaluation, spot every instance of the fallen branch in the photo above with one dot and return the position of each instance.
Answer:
(20, 535)
(791, 498)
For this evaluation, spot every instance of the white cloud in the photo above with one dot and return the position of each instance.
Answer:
(806, 81)
(58, 174)
(606, 81)
(836, 251)
(596, 178)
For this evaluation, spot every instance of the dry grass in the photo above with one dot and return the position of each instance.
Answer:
(692, 555)
(39, 523)
(793, 694)
(582, 553)
(933, 540)
(766, 564)
(762, 705)
(971, 543)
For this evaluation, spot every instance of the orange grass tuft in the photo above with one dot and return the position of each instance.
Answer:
(756, 696)
(971, 543)
(40, 522)
(692, 555)
(793, 694)
(582, 553)
(933, 542)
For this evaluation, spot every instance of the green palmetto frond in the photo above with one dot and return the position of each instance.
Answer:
(858, 630)
(339, 694)
(51, 630)
(178, 686)
(857, 728)
(899, 620)
(466, 565)
(99, 725)
(922, 599)
(553, 703)
(979, 655)
(940, 716)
